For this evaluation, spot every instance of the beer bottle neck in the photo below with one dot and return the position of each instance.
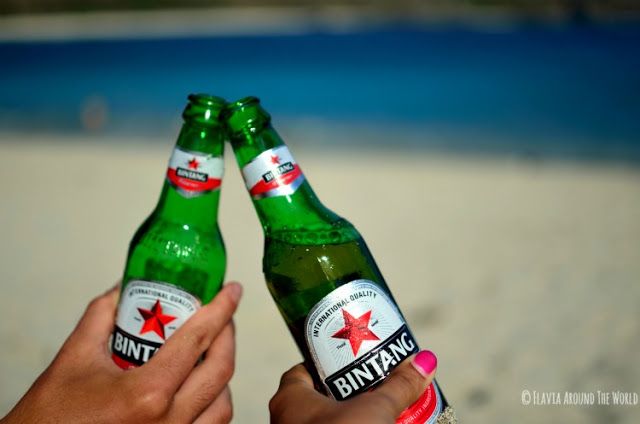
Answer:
(288, 205)
(190, 194)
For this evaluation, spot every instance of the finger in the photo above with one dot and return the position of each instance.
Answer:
(404, 386)
(95, 326)
(297, 379)
(175, 360)
(296, 393)
(219, 412)
(209, 378)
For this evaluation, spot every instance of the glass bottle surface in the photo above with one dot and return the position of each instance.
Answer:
(176, 260)
(320, 272)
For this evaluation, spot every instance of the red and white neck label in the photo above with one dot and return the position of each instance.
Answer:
(356, 336)
(148, 314)
(194, 173)
(273, 172)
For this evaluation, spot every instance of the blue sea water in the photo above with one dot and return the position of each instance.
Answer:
(528, 87)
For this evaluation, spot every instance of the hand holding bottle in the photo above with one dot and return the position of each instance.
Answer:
(83, 385)
(297, 402)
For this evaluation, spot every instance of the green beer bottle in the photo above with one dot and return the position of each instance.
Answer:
(321, 274)
(176, 259)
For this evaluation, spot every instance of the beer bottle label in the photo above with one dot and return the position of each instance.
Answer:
(149, 312)
(273, 172)
(356, 336)
(194, 173)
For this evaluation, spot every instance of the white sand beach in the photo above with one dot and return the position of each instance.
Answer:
(519, 275)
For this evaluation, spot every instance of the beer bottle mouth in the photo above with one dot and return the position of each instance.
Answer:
(204, 109)
(245, 114)
(244, 102)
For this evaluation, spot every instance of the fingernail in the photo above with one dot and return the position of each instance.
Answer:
(425, 362)
(235, 291)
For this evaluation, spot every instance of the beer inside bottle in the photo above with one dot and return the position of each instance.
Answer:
(176, 259)
(321, 274)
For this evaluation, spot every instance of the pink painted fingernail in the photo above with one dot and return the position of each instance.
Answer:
(425, 362)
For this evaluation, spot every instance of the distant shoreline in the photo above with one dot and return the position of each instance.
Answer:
(354, 143)
(256, 20)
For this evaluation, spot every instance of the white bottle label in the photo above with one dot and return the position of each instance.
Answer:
(148, 314)
(273, 172)
(194, 173)
(356, 336)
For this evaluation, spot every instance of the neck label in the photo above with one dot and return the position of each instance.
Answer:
(273, 172)
(194, 173)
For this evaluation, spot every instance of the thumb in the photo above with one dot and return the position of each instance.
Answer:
(404, 385)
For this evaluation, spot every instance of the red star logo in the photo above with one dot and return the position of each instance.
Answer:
(154, 319)
(356, 330)
(194, 164)
(275, 160)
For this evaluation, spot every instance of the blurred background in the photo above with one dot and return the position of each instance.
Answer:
(502, 136)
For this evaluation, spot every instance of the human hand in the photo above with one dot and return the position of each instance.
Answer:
(84, 385)
(297, 402)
